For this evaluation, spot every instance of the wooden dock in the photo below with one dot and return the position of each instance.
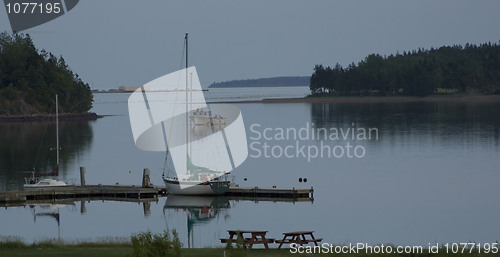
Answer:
(139, 194)
(146, 192)
(271, 194)
(115, 192)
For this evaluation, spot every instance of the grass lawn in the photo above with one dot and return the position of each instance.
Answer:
(70, 251)
(17, 248)
(124, 251)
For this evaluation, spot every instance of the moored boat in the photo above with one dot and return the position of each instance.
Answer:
(44, 183)
(202, 117)
(33, 182)
(212, 187)
(202, 142)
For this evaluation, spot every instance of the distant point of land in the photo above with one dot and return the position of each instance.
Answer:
(293, 81)
(376, 99)
(468, 70)
(51, 117)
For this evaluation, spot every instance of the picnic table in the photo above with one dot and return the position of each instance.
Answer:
(298, 237)
(253, 237)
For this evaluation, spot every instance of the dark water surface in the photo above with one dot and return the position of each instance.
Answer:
(429, 173)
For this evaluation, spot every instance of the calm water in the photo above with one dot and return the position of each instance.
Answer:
(429, 173)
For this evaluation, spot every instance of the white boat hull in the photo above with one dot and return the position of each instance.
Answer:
(207, 120)
(196, 187)
(46, 184)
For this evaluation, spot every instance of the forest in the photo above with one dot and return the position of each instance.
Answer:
(264, 82)
(449, 70)
(30, 79)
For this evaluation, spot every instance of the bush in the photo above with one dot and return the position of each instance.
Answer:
(147, 244)
(11, 243)
(239, 250)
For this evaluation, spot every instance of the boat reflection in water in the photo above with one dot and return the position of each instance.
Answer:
(51, 211)
(198, 209)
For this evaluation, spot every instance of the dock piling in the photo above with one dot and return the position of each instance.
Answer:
(82, 176)
(146, 182)
(83, 207)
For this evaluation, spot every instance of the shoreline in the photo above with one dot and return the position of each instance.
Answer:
(50, 117)
(342, 99)
(374, 99)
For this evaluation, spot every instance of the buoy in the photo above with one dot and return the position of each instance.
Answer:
(300, 180)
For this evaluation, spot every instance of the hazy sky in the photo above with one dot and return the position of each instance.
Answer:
(111, 43)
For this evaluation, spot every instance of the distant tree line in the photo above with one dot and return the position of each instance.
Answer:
(265, 82)
(464, 70)
(30, 79)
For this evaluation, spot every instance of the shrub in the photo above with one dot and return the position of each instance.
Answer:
(11, 243)
(147, 244)
(239, 250)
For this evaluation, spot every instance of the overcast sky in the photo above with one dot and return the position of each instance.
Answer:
(111, 43)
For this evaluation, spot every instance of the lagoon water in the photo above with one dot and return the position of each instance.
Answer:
(429, 176)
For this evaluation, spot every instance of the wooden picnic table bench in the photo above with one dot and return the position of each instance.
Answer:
(298, 237)
(256, 237)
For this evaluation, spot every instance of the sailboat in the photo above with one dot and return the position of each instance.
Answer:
(35, 183)
(197, 180)
(204, 117)
(163, 115)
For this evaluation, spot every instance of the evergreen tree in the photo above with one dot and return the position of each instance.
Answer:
(29, 80)
(450, 69)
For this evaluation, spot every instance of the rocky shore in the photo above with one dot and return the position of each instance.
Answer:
(49, 117)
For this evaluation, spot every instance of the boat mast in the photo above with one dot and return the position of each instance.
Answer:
(187, 118)
(57, 133)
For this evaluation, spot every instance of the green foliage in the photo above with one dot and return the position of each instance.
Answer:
(239, 250)
(12, 243)
(465, 70)
(9, 93)
(29, 80)
(147, 244)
